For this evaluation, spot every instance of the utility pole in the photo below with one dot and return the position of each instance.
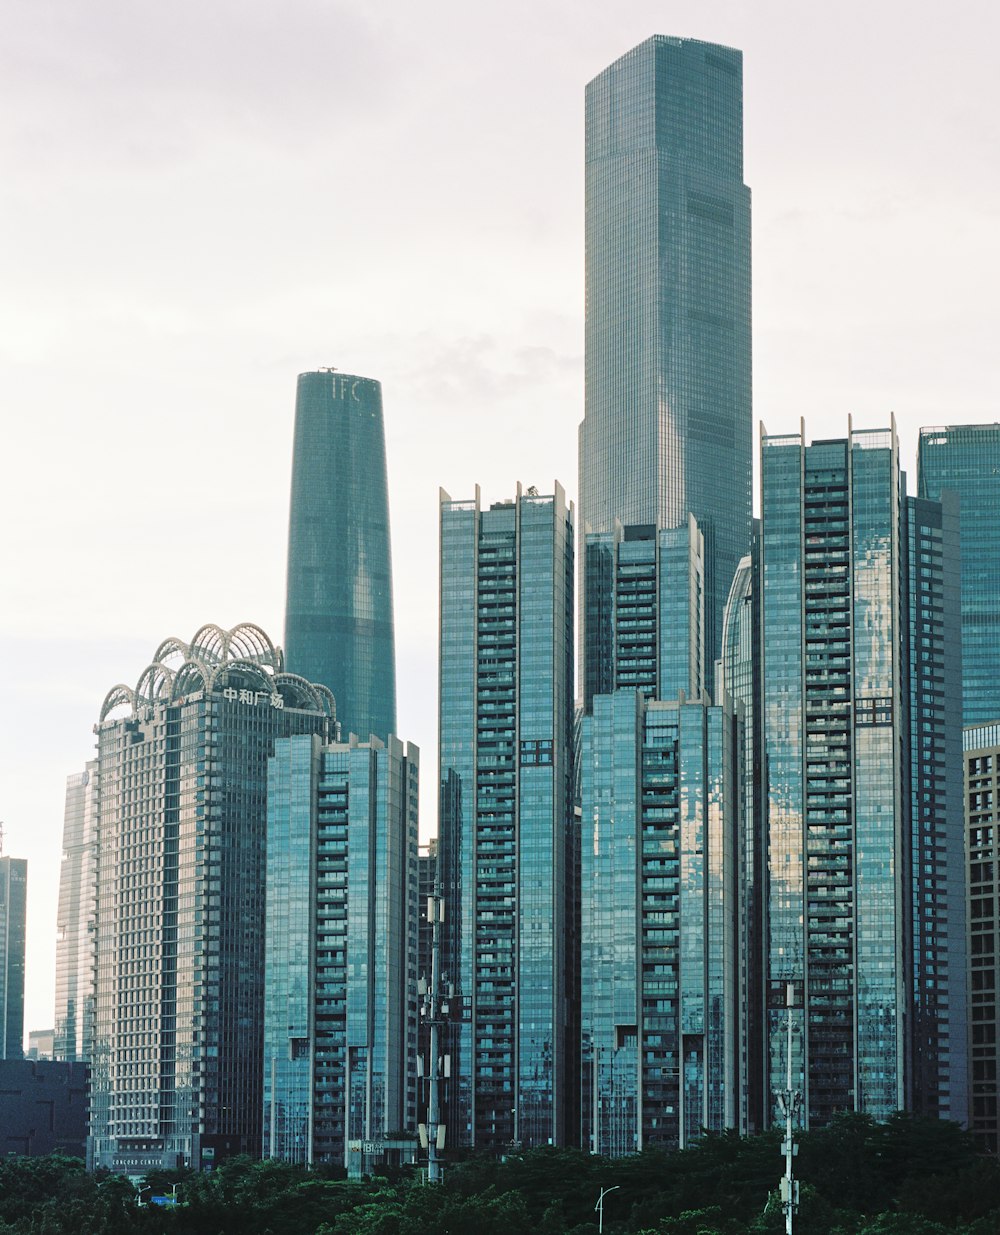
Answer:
(789, 1102)
(438, 1066)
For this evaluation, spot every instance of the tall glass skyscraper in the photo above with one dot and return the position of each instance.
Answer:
(861, 808)
(13, 908)
(340, 979)
(966, 459)
(338, 616)
(667, 429)
(505, 849)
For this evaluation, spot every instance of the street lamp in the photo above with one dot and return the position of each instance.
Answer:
(599, 1207)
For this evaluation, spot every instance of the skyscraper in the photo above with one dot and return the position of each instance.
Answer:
(667, 427)
(864, 905)
(737, 674)
(13, 908)
(177, 1062)
(506, 715)
(340, 1025)
(660, 1014)
(966, 459)
(645, 621)
(76, 925)
(982, 813)
(338, 616)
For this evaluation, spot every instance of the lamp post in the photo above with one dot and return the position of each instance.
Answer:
(600, 1207)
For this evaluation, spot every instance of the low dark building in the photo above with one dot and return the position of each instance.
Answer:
(43, 1107)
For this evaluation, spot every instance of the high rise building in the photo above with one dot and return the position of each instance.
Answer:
(76, 925)
(737, 674)
(966, 459)
(13, 908)
(667, 428)
(644, 600)
(505, 845)
(660, 1007)
(860, 876)
(340, 1024)
(338, 616)
(982, 814)
(182, 759)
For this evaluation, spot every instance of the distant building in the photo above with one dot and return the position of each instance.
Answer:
(340, 1022)
(44, 1108)
(338, 617)
(506, 810)
(76, 925)
(40, 1044)
(982, 814)
(177, 1060)
(659, 928)
(667, 430)
(966, 460)
(863, 902)
(13, 907)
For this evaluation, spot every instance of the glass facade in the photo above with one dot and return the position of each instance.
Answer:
(850, 855)
(338, 616)
(737, 673)
(13, 907)
(340, 1014)
(76, 925)
(659, 938)
(966, 459)
(667, 428)
(982, 817)
(938, 981)
(505, 837)
(645, 623)
(177, 1063)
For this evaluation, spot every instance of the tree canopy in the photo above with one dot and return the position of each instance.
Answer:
(909, 1176)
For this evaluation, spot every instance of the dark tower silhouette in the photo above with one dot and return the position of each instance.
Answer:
(338, 615)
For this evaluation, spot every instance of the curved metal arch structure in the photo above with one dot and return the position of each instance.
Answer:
(116, 696)
(298, 692)
(249, 642)
(210, 644)
(154, 683)
(246, 652)
(243, 673)
(171, 647)
(190, 677)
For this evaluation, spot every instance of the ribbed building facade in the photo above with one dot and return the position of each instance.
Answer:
(338, 616)
(660, 1008)
(505, 846)
(667, 428)
(340, 1026)
(182, 759)
(982, 816)
(860, 877)
(645, 605)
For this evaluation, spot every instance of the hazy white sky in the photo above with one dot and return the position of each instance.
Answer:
(200, 200)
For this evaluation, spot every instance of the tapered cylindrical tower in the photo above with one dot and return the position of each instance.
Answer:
(338, 616)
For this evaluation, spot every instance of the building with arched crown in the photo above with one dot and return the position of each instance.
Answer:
(180, 804)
